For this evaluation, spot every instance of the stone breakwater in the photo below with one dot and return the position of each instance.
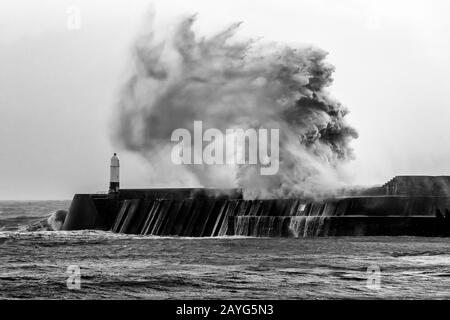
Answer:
(213, 212)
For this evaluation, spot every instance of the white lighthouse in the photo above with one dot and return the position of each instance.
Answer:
(114, 174)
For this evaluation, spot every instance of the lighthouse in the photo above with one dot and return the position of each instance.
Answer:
(114, 175)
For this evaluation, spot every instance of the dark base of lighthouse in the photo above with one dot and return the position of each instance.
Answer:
(214, 212)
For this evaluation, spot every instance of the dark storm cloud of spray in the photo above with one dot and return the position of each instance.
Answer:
(229, 83)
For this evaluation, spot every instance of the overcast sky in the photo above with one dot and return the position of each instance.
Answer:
(59, 86)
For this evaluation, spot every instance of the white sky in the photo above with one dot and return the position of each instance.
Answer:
(58, 87)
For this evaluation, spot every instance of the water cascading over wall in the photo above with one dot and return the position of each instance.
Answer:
(218, 217)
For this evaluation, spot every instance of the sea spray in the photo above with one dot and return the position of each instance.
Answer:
(54, 222)
(179, 77)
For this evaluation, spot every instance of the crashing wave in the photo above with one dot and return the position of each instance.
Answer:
(54, 222)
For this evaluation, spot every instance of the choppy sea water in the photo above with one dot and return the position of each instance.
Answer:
(33, 265)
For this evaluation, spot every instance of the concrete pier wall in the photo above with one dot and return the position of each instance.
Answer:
(209, 212)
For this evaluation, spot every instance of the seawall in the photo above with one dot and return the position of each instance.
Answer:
(213, 212)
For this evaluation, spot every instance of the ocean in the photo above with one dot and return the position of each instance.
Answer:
(40, 264)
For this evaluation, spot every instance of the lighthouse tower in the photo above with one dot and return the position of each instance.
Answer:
(114, 175)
